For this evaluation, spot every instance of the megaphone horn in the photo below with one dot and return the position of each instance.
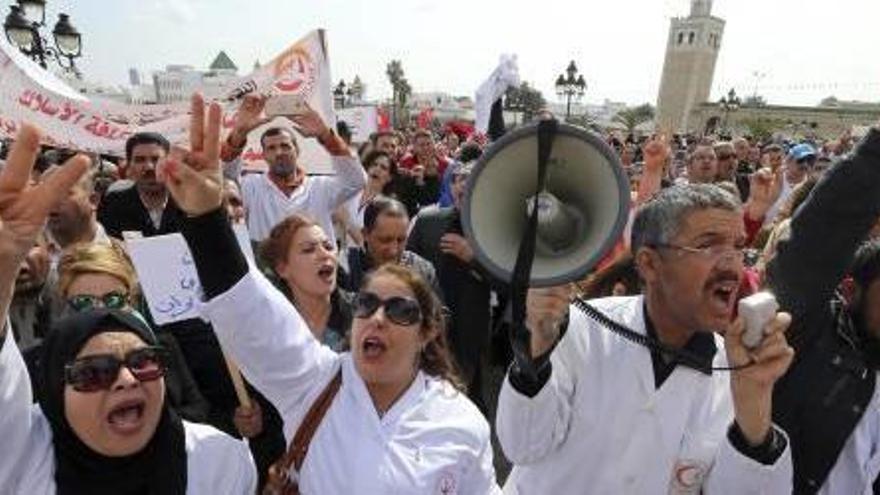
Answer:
(582, 210)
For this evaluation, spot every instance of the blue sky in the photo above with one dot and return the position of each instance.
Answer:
(808, 49)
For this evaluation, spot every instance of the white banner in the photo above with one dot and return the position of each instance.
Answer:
(28, 93)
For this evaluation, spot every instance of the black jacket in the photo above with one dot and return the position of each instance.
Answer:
(823, 396)
(466, 288)
(123, 210)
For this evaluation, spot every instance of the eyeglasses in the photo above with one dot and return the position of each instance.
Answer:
(712, 253)
(99, 372)
(110, 300)
(400, 310)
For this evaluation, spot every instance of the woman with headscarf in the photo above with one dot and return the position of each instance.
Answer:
(102, 424)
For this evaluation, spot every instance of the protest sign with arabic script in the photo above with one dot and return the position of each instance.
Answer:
(29, 93)
(168, 276)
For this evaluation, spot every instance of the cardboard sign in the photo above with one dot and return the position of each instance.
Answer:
(168, 274)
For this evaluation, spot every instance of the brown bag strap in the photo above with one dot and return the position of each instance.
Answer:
(299, 446)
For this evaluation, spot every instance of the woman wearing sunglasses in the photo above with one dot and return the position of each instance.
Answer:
(397, 424)
(91, 276)
(102, 424)
(304, 258)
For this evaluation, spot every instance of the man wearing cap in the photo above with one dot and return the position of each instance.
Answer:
(438, 236)
(798, 162)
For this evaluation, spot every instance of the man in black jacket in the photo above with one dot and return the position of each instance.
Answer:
(145, 207)
(437, 235)
(828, 402)
(385, 225)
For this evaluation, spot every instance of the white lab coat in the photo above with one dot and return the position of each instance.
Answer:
(317, 197)
(432, 440)
(600, 426)
(216, 463)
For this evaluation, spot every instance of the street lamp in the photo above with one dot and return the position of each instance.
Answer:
(22, 27)
(339, 94)
(729, 103)
(353, 93)
(571, 86)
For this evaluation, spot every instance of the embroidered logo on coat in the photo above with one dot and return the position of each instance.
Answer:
(448, 484)
(687, 477)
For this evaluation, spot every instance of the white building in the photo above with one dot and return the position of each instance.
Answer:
(179, 82)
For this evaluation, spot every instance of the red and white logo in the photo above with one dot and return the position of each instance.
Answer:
(295, 72)
(687, 477)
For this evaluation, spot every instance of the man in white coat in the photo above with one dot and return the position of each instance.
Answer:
(605, 415)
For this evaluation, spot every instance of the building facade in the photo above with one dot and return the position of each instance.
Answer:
(691, 52)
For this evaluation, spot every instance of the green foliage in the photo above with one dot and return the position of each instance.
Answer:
(631, 118)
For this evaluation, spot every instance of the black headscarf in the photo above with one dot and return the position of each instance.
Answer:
(160, 468)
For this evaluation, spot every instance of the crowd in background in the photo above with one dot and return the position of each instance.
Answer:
(395, 199)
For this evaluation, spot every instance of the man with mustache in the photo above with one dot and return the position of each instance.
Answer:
(285, 188)
(602, 414)
(145, 207)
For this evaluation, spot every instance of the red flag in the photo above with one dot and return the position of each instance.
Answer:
(383, 120)
(425, 118)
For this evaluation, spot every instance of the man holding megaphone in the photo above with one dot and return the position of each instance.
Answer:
(689, 411)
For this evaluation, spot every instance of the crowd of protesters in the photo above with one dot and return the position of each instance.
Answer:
(370, 337)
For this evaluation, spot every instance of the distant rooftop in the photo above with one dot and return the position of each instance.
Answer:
(223, 62)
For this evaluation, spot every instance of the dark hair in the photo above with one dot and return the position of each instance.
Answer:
(602, 283)
(865, 267)
(343, 131)
(469, 152)
(375, 137)
(374, 155)
(145, 138)
(277, 131)
(383, 205)
(435, 359)
(275, 247)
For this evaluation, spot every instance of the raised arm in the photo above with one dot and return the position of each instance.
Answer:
(23, 212)
(826, 230)
(255, 324)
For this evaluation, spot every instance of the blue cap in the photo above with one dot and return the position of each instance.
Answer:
(801, 151)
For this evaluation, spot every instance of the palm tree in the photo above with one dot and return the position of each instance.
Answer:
(631, 118)
(400, 89)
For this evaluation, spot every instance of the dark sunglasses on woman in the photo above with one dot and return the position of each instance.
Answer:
(400, 310)
(99, 372)
(110, 300)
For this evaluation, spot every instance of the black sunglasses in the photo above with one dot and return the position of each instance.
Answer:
(110, 300)
(99, 372)
(400, 310)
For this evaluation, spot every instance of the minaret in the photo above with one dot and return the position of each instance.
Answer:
(691, 52)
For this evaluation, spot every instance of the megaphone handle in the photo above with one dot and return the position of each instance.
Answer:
(520, 336)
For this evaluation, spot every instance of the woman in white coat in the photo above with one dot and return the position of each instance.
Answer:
(102, 424)
(397, 424)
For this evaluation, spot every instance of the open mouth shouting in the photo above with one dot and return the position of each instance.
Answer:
(127, 417)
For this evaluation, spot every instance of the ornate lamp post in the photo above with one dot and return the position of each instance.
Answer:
(570, 86)
(729, 103)
(22, 28)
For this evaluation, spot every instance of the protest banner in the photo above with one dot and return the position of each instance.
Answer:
(29, 93)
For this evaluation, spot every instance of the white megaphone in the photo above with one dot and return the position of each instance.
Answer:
(582, 210)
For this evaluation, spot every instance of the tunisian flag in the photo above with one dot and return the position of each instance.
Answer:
(425, 118)
(383, 120)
